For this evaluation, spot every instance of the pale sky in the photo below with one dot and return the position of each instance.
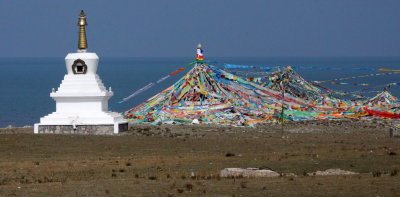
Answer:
(226, 28)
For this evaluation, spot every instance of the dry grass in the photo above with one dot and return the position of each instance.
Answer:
(159, 161)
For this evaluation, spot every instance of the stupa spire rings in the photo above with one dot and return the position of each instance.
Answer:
(82, 44)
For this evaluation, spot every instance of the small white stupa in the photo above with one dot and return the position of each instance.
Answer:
(82, 99)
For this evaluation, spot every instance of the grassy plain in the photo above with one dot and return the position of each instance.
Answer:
(186, 161)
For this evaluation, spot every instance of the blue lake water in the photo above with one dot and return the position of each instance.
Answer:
(25, 83)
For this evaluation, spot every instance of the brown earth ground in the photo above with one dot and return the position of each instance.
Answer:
(160, 161)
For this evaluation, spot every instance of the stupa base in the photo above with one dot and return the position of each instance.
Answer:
(100, 129)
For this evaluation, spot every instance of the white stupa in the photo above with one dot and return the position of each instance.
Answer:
(82, 99)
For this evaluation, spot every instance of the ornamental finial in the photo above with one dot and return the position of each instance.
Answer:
(82, 44)
(199, 56)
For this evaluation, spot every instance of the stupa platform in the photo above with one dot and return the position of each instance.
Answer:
(100, 129)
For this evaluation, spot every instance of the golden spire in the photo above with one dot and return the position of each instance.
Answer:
(82, 45)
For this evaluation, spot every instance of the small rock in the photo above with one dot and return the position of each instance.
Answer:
(248, 172)
(289, 175)
(229, 154)
(331, 172)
